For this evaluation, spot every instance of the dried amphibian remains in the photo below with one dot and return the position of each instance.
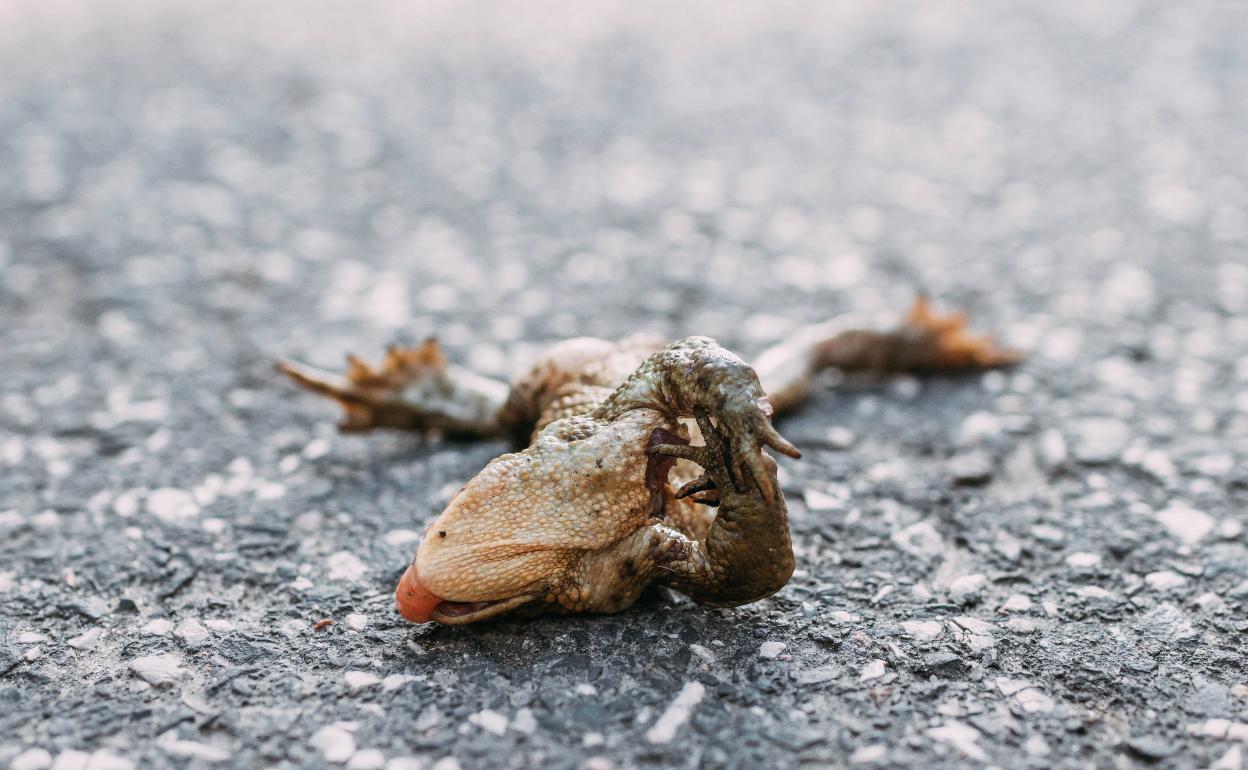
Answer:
(646, 463)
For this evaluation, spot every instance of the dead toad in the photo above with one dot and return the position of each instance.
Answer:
(645, 463)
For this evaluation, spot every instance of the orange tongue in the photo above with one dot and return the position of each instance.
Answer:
(415, 602)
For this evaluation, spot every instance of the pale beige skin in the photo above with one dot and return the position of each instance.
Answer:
(645, 463)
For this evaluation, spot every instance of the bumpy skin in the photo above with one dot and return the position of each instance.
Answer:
(586, 517)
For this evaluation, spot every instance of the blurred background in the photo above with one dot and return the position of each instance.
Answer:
(190, 191)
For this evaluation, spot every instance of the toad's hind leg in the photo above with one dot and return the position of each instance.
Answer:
(923, 342)
(414, 388)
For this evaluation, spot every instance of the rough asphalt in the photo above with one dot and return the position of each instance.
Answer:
(1041, 568)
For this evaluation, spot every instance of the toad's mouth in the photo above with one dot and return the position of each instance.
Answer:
(420, 605)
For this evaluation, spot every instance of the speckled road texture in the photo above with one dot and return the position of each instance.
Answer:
(1041, 568)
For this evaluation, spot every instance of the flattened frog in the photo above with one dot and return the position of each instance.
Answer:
(645, 463)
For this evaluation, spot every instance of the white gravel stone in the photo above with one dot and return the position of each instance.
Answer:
(920, 539)
(873, 670)
(524, 721)
(1083, 559)
(867, 755)
(1033, 701)
(1052, 447)
(976, 634)
(71, 760)
(87, 640)
(1096, 592)
(359, 680)
(967, 587)
(822, 501)
(1164, 580)
(1048, 533)
(446, 763)
(960, 736)
(1185, 522)
(678, 712)
(356, 621)
(1210, 601)
(335, 744)
(1099, 440)
(401, 537)
(1230, 529)
(1017, 603)
(703, 653)
(220, 625)
(1036, 746)
(1021, 625)
(346, 566)
(395, 681)
(405, 763)
(191, 631)
(158, 670)
(32, 637)
(195, 750)
(103, 760)
(489, 720)
(979, 426)
(1009, 686)
(291, 628)
(771, 650)
(172, 505)
(366, 759)
(1233, 759)
(158, 627)
(840, 437)
(923, 630)
(31, 759)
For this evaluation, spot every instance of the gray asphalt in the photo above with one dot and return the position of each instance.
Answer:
(1041, 568)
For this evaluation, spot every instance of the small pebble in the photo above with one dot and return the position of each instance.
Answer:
(192, 632)
(1099, 440)
(971, 468)
(524, 722)
(158, 627)
(1151, 747)
(158, 670)
(1185, 522)
(358, 680)
(1164, 580)
(31, 759)
(1017, 603)
(87, 640)
(867, 755)
(967, 588)
(366, 759)
(489, 720)
(770, 650)
(334, 743)
(923, 630)
(873, 670)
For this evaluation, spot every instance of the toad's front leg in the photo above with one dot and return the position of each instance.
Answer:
(695, 375)
(748, 553)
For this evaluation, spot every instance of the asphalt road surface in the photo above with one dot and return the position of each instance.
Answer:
(1041, 568)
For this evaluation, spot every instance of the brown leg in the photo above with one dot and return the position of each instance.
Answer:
(924, 342)
(414, 388)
